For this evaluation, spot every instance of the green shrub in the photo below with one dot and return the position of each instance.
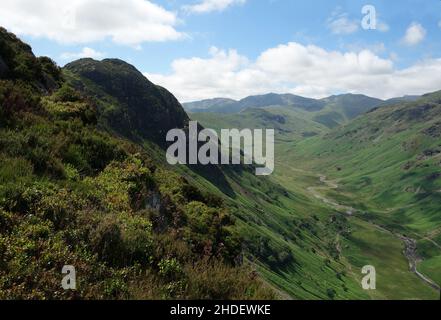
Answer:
(122, 241)
(17, 97)
(216, 281)
(66, 94)
(106, 240)
(15, 170)
(137, 240)
(170, 269)
(331, 293)
(73, 194)
(5, 221)
(209, 233)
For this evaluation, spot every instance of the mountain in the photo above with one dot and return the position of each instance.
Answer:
(380, 172)
(84, 182)
(260, 101)
(128, 102)
(17, 62)
(286, 206)
(397, 147)
(273, 99)
(80, 185)
(407, 98)
(77, 189)
(209, 103)
(290, 121)
(289, 124)
(388, 163)
(330, 112)
(343, 108)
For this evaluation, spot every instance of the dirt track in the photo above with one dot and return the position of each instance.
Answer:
(410, 245)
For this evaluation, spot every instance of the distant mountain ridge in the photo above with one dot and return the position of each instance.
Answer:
(208, 103)
(331, 111)
(362, 103)
(83, 180)
(224, 105)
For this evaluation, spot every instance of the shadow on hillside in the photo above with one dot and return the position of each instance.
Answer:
(216, 176)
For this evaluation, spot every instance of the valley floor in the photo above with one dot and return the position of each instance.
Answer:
(401, 272)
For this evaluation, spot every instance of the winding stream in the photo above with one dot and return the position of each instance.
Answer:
(410, 245)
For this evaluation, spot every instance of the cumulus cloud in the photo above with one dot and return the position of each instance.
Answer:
(382, 26)
(340, 23)
(86, 52)
(205, 6)
(415, 33)
(294, 68)
(127, 22)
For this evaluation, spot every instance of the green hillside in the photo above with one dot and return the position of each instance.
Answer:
(84, 182)
(389, 158)
(343, 108)
(127, 102)
(72, 193)
(228, 106)
(382, 167)
(330, 112)
(266, 214)
(389, 167)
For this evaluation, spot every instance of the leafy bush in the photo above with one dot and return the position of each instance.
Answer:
(16, 97)
(5, 221)
(15, 170)
(72, 194)
(122, 241)
(208, 231)
(170, 269)
(106, 240)
(214, 280)
(66, 94)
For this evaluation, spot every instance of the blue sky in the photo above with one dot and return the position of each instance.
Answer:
(209, 48)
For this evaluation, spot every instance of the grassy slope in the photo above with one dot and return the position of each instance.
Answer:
(74, 194)
(330, 112)
(279, 236)
(388, 165)
(291, 224)
(291, 219)
(366, 242)
(293, 239)
(71, 196)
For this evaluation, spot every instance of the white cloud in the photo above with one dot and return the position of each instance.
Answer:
(128, 22)
(294, 68)
(382, 26)
(377, 48)
(339, 23)
(205, 6)
(415, 33)
(86, 52)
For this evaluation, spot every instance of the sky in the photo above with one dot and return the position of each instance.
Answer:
(201, 49)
